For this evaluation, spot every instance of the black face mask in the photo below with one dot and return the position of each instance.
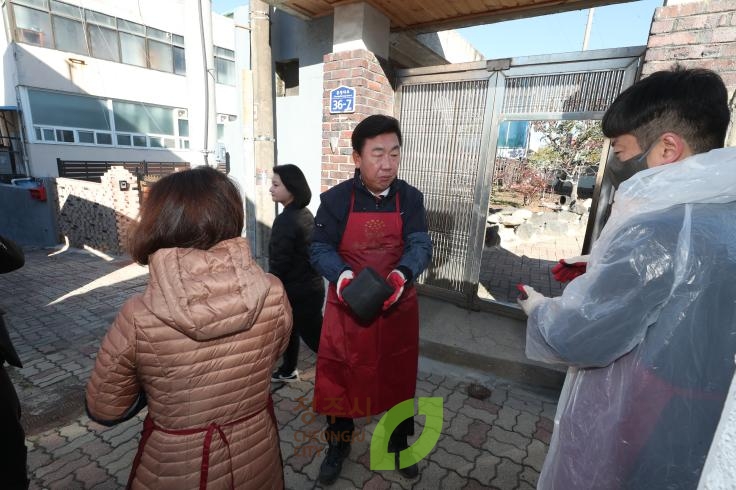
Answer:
(621, 171)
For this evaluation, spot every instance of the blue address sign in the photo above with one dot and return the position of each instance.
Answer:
(342, 100)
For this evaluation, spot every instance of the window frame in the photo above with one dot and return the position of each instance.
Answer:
(92, 19)
(49, 133)
(111, 26)
(228, 56)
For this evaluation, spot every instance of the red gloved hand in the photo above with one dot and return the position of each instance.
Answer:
(569, 269)
(396, 280)
(346, 277)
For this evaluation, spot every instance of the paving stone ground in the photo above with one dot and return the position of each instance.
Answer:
(59, 308)
(503, 267)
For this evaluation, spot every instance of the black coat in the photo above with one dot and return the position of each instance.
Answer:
(13, 453)
(11, 258)
(288, 259)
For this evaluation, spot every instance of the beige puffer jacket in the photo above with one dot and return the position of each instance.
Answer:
(201, 342)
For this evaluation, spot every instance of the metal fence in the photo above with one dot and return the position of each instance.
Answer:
(450, 116)
(442, 124)
(92, 171)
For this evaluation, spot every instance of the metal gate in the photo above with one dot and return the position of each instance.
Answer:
(450, 116)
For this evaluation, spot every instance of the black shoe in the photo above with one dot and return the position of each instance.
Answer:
(331, 467)
(409, 472)
(281, 377)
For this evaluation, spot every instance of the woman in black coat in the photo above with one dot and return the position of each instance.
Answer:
(291, 236)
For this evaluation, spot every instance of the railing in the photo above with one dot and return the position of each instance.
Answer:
(92, 171)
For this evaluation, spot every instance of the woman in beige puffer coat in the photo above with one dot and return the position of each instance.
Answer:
(197, 346)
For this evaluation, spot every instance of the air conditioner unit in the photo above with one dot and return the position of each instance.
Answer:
(31, 36)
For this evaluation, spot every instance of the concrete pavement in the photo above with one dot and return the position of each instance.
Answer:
(59, 308)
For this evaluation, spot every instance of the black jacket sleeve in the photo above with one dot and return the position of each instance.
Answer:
(11, 256)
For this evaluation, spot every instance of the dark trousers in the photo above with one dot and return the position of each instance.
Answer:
(341, 429)
(12, 438)
(307, 326)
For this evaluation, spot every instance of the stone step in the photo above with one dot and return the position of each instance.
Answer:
(482, 341)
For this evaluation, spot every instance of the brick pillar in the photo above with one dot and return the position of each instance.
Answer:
(124, 202)
(696, 34)
(361, 70)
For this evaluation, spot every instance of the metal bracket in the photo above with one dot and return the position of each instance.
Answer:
(498, 65)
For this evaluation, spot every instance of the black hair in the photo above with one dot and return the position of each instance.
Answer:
(295, 182)
(372, 126)
(692, 103)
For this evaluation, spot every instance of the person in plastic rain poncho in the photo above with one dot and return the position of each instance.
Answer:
(650, 329)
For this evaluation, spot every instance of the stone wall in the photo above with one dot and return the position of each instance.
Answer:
(696, 34)
(370, 77)
(98, 215)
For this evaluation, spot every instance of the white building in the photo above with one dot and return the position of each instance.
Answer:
(118, 80)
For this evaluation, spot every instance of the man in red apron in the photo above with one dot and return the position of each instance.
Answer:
(372, 220)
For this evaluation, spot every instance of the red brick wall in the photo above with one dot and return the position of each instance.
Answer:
(698, 34)
(361, 70)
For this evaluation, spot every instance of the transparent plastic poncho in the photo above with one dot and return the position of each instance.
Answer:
(649, 333)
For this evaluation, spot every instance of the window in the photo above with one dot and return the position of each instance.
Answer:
(59, 117)
(160, 50)
(33, 27)
(40, 4)
(224, 66)
(133, 49)
(66, 9)
(136, 117)
(103, 138)
(132, 27)
(103, 36)
(100, 19)
(77, 111)
(86, 136)
(180, 64)
(146, 125)
(69, 35)
(65, 135)
(103, 43)
(287, 78)
(161, 56)
(183, 128)
(79, 119)
(67, 27)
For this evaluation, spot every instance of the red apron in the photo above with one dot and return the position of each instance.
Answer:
(149, 427)
(365, 370)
